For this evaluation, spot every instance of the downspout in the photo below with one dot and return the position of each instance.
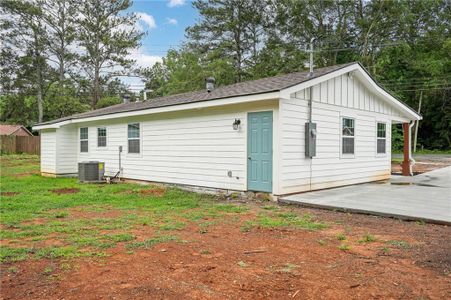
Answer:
(411, 160)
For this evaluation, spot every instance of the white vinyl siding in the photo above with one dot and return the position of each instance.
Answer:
(190, 148)
(48, 151)
(332, 100)
(66, 146)
(59, 150)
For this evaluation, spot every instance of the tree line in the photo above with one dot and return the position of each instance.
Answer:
(405, 45)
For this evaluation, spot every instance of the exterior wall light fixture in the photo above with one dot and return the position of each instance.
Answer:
(236, 124)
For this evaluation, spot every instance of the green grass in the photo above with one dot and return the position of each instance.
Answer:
(399, 244)
(344, 247)
(283, 219)
(341, 237)
(99, 217)
(367, 238)
(149, 243)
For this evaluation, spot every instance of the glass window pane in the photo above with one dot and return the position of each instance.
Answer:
(84, 146)
(348, 127)
(133, 130)
(381, 146)
(381, 130)
(101, 131)
(84, 133)
(101, 137)
(348, 145)
(133, 146)
(101, 141)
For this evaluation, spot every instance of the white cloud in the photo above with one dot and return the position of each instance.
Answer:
(143, 60)
(174, 3)
(147, 19)
(171, 21)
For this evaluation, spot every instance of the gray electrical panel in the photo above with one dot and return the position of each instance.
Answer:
(91, 171)
(310, 139)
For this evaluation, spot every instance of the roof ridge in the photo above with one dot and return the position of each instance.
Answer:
(250, 87)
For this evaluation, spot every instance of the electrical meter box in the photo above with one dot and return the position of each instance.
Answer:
(310, 139)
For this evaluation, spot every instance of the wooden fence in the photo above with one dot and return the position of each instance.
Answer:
(20, 144)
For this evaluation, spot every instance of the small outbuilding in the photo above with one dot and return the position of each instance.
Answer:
(14, 130)
(284, 134)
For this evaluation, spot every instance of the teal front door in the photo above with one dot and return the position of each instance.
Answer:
(259, 151)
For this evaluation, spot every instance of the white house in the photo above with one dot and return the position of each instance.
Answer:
(249, 136)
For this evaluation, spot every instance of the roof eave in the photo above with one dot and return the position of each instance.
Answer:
(272, 95)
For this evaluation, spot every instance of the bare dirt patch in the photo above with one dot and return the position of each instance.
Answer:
(9, 194)
(65, 191)
(405, 260)
(424, 164)
(155, 191)
(25, 174)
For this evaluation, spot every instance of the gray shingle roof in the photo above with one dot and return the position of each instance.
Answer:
(259, 86)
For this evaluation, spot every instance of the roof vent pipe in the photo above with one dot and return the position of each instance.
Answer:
(210, 83)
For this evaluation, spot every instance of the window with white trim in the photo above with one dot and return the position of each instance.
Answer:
(101, 137)
(381, 138)
(133, 138)
(84, 139)
(347, 136)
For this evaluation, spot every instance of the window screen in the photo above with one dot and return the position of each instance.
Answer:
(348, 138)
(381, 138)
(84, 139)
(101, 137)
(133, 138)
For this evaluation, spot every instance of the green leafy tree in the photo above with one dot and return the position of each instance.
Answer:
(106, 32)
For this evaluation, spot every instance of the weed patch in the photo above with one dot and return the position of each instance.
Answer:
(399, 244)
(149, 243)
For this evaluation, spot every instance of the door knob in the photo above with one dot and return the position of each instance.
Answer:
(249, 157)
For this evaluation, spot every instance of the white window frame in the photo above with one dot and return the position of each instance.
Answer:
(82, 140)
(347, 155)
(106, 137)
(378, 138)
(138, 138)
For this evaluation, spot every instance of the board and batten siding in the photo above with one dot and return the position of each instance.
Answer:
(334, 99)
(189, 148)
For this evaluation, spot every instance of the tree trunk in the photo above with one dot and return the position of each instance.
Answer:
(39, 92)
(96, 88)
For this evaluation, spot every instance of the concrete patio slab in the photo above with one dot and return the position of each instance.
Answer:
(423, 197)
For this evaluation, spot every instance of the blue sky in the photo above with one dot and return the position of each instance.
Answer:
(165, 22)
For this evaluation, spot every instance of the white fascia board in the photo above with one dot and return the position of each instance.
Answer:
(408, 112)
(51, 126)
(173, 108)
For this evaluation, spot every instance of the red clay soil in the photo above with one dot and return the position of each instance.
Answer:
(65, 191)
(156, 191)
(422, 165)
(289, 264)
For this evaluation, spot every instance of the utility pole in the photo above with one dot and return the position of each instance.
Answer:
(311, 56)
